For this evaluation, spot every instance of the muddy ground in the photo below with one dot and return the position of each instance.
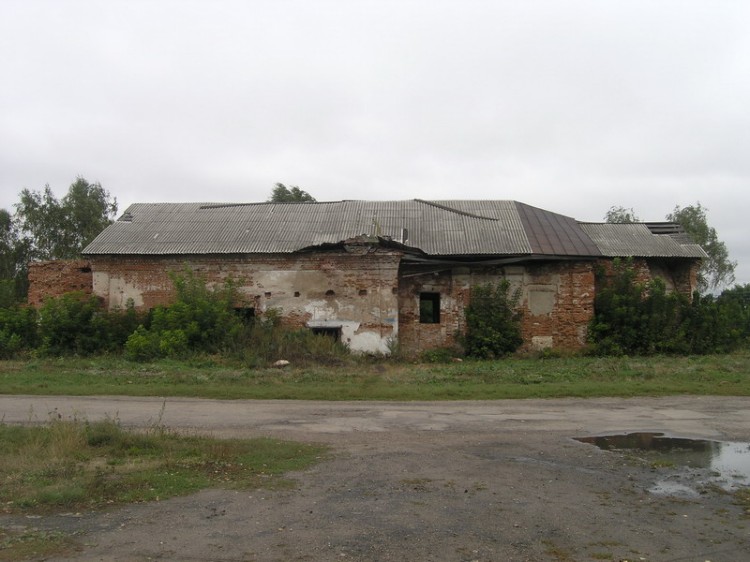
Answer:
(500, 480)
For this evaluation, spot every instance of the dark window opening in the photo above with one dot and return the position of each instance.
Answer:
(330, 293)
(296, 293)
(247, 314)
(85, 270)
(330, 332)
(429, 308)
(267, 294)
(363, 292)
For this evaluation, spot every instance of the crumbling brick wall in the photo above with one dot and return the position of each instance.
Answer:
(680, 275)
(351, 289)
(361, 289)
(556, 302)
(51, 279)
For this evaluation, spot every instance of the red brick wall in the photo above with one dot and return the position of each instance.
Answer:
(556, 301)
(415, 337)
(50, 279)
(565, 325)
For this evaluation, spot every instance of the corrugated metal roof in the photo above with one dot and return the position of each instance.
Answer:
(638, 240)
(437, 228)
(550, 233)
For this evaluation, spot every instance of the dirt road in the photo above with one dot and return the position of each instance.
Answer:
(499, 480)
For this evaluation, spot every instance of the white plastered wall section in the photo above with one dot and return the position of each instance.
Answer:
(117, 292)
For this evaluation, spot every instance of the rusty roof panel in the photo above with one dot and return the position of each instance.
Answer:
(551, 233)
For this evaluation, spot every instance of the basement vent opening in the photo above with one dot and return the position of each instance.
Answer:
(246, 314)
(328, 331)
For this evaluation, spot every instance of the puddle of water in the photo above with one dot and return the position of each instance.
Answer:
(724, 463)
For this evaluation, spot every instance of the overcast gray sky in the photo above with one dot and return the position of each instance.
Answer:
(569, 105)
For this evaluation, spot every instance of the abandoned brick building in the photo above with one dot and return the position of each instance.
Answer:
(373, 272)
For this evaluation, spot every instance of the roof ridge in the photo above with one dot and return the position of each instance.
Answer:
(259, 203)
(457, 211)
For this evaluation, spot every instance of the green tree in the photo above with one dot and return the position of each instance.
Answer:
(718, 269)
(13, 257)
(8, 240)
(292, 194)
(621, 215)
(736, 303)
(60, 229)
(18, 330)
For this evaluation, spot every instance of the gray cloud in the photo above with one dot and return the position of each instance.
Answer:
(572, 106)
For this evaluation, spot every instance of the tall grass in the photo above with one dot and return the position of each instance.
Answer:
(76, 465)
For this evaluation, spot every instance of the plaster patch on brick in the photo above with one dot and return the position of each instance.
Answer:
(320, 310)
(370, 342)
(542, 299)
(120, 292)
(538, 343)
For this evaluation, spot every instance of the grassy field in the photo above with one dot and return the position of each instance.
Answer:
(386, 380)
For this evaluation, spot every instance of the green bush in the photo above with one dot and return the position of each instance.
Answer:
(633, 318)
(734, 304)
(715, 325)
(493, 327)
(78, 324)
(201, 319)
(66, 327)
(115, 326)
(18, 331)
(142, 345)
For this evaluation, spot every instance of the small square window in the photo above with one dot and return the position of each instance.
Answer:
(429, 308)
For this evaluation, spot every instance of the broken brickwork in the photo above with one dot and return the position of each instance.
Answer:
(50, 279)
